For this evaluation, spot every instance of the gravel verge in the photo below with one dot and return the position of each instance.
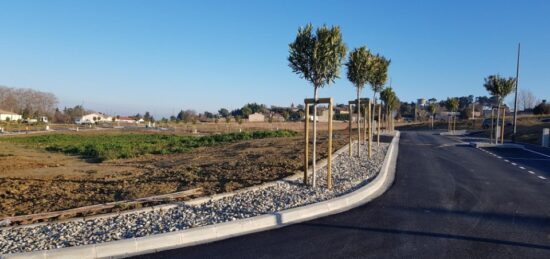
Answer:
(349, 174)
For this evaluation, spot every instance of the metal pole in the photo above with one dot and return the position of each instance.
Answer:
(329, 162)
(516, 97)
(306, 139)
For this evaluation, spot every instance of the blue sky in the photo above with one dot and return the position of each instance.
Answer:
(124, 57)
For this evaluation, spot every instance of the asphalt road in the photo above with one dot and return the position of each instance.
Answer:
(448, 201)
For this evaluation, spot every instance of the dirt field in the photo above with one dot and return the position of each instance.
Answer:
(33, 180)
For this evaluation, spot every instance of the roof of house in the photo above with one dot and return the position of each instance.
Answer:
(7, 112)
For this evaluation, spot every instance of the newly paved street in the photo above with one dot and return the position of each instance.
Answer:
(448, 201)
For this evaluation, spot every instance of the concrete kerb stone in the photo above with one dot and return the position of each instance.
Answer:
(505, 145)
(454, 133)
(205, 234)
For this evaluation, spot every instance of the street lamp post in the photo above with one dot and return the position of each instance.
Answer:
(516, 96)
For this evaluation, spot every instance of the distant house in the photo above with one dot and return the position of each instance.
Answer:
(444, 115)
(93, 118)
(125, 120)
(277, 117)
(129, 120)
(256, 117)
(322, 115)
(9, 116)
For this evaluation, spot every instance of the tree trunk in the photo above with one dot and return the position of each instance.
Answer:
(358, 123)
(314, 175)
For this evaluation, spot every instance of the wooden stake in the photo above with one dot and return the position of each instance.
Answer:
(350, 124)
(378, 124)
(306, 139)
(365, 125)
(492, 124)
(370, 129)
(329, 162)
(503, 123)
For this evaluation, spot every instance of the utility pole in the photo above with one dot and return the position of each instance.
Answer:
(516, 97)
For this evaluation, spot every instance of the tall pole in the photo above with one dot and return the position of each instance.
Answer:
(516, 97)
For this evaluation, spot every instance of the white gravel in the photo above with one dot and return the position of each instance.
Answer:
(348, 175)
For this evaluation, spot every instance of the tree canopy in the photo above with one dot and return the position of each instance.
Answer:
(358, 66)
(499, 86)
(452, 104)
(378, 72)
(317, 57)
(389, 97)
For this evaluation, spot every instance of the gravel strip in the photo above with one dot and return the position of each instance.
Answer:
(348, 173)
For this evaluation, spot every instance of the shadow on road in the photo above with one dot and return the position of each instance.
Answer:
(431, 234)
(516, 219)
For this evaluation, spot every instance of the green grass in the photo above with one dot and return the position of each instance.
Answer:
(118, 146)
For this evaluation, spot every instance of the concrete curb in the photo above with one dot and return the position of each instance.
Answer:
(455, 133)
(200, 235)
(505, 145)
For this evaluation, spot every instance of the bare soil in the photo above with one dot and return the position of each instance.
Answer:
(35, 181)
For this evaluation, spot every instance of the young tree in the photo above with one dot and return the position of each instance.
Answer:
(499, 87)
(378, 75)
(452, 105)
(317, 57)
(391, 102)
(358, 71)
(433, 109)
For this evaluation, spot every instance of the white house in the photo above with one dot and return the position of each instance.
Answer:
(93, 118)
(256, 117)
(129, 120)
(125, 120)
(9, 116)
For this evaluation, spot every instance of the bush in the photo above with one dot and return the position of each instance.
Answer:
(542, 109)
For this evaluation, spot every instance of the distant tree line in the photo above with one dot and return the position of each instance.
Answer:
(27, 102)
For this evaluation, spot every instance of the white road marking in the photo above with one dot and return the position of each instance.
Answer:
(531, 172)
(506, 160)
(538, 153)
(514, 164)
(499, 157)
(542, 177)
(521, 167)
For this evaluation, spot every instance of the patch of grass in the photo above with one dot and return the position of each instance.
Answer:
(119, 146)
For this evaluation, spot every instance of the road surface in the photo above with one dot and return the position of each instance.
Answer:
(448, 201)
